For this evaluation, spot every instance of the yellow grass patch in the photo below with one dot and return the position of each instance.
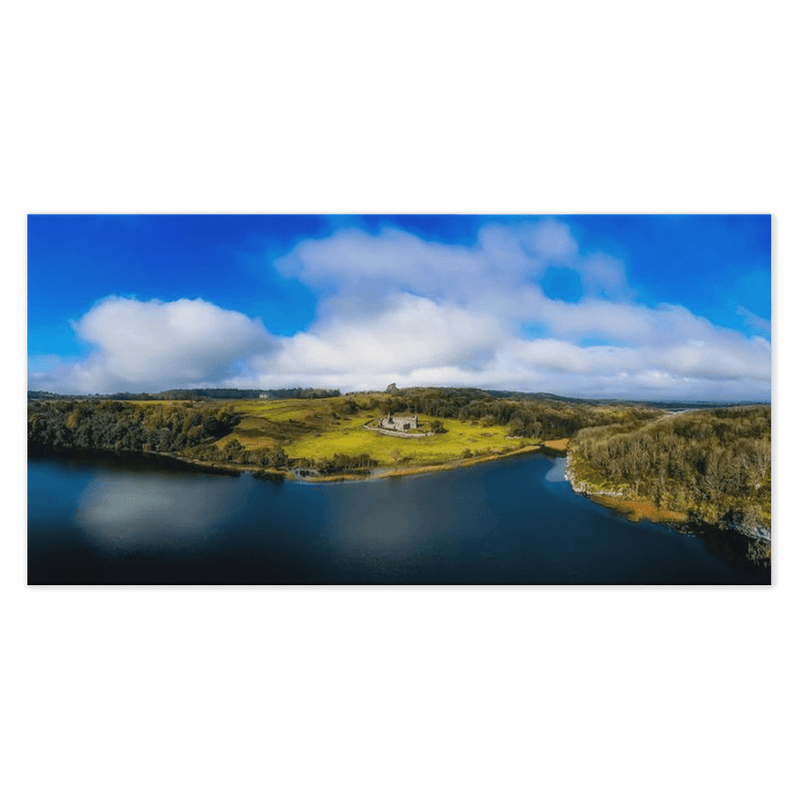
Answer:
(318, 429)
(352, 438)
(638, 508)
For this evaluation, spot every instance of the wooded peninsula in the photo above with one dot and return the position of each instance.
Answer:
(704, 465)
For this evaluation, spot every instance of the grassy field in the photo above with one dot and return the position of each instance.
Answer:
(320, 428)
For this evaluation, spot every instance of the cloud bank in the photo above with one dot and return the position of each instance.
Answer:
(393, 307)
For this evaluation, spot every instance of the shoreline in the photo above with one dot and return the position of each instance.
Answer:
(382, 473)
(553, 448)
(636, 508)
(398, 472)
(377, 473)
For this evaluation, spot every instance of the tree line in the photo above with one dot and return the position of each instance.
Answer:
(187, 429)
(197, 394)
(122, 426)
(713, 464)
(530, 418)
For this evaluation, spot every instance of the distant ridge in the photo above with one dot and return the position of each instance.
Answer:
(444, 391)
(194, 394)
(509, 394)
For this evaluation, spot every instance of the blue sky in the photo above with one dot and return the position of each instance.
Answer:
(629, 306)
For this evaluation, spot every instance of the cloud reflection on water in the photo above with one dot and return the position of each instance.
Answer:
(130, 511)
(557, 472)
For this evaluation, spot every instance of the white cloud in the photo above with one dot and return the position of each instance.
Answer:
(552, 241)
(722, 358)
(559, 356)
(394, 259)
(157, 345)
(411, 333)
(395, 308)
(358, 269)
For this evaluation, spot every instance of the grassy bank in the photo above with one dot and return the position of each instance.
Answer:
(640, 508)
(449, 465)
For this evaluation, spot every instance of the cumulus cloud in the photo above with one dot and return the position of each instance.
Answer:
(394, 259)
(393, 307)
(147, 345)
(353, 267)
(413, 333)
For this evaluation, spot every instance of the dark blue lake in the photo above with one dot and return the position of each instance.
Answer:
(125, 521)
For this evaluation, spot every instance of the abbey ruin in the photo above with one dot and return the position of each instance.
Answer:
(402, 424)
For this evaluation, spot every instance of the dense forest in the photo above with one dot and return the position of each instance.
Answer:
(113, 425)
(714, 465)
(532, 416)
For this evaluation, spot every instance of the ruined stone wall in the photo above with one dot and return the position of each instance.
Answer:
(399, 423)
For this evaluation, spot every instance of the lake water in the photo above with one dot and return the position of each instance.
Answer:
(108, 520)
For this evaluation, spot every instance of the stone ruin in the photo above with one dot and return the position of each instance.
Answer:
(402, 424)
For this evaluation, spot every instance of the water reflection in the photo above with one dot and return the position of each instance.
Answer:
(379, 521)
(413, 518)
(131, 511)
(557, 472)
(496, 523)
